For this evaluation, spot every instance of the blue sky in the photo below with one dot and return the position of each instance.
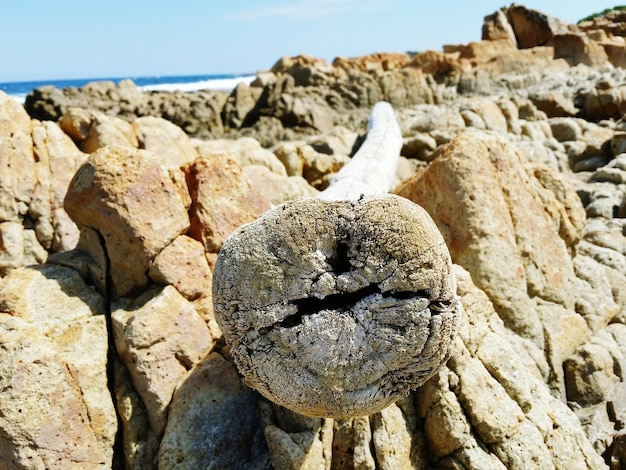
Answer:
(45, 40)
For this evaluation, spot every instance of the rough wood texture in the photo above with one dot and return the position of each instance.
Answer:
(372, 168)
(339, 306)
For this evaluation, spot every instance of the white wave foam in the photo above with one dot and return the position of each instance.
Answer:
(19, 97)
(219, 84)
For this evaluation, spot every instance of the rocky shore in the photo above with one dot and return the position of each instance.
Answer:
(114, 204)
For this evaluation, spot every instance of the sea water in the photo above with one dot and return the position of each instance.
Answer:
(19, 90)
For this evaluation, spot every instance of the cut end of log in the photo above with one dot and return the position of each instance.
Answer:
(337, 308)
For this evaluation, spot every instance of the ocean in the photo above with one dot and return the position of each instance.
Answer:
(19, 90)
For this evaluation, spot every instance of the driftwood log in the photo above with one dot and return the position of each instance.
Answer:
(340, 305)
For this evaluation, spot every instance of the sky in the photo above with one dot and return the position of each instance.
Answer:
(63, 39)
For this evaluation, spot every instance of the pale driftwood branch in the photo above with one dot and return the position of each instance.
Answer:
(340, 305)
(371, 171)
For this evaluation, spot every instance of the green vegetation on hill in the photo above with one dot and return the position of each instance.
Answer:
(602, 13)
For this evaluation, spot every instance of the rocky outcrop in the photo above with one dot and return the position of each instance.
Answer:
(302, 96)
(57, 409)
(110, 336)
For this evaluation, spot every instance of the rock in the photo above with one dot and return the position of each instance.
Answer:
(577, 48)
(598, 140)
(604, 202)
(182, 264)
(614, 47)
(405, 169)
(168, 141)
(489, 112)
(338, 141)
(239, 107)
(618, 141)
(291, 156)
(297, 106)
(309, 448)
(554, 103)
(451, 189)
(606, 256)
(604, 101)
(92, 130)
(61, 413)
(533, 28)
(286, 63)
(490, 407)
(76, 122)
(421, 146)
(127, 197)
(610, 173)
(352, 444)
(483, 51)
(57, 161)
(159, 337)
(213, 421)
(17, 163)
(562, 203)
(223, 199)
(510, 111)
(276, 188)
(245, 151)
(20, 247)
(496, 26)
(319, 168)
(197, 113)
(593, 371)
(429, 119)
(395, 439)
(597, 284)
(565, 129)
(373, 63)
(139, 443)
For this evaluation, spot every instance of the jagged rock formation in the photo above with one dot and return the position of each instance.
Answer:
(500, 152)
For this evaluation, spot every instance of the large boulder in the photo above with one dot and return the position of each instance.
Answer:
(577, 48)
(165, 139)
(223, 199)
(159, 337)
(17, 162)
(57, 411)
(92, 130)
(493, 215)
(533, 28)
(129, 208)
(58, 158)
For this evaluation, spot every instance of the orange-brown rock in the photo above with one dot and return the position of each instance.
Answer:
(534, 28)
(17, 163)
(159, 337)
(612, 22)
(223, 199)
(126, 196)
(577, 48)
(286, 63)
(437, 63)
(58, 158)
(373, 63)
(182, 264)
(92, 130)
(492, 215)
(165, 139)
